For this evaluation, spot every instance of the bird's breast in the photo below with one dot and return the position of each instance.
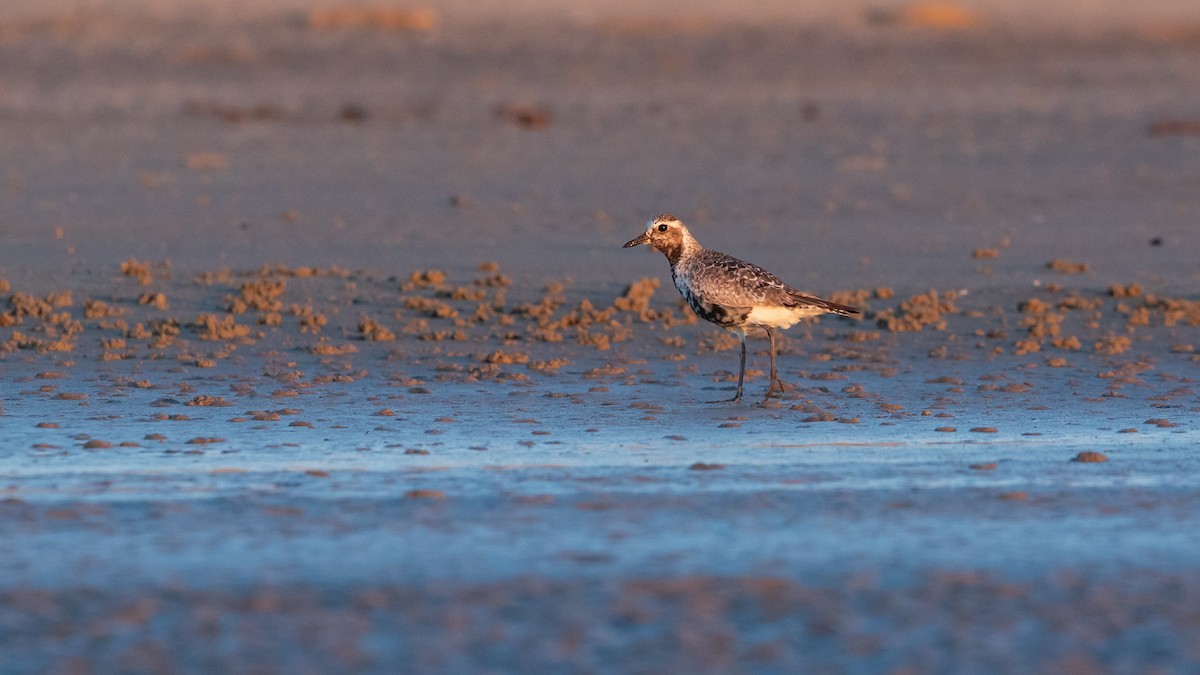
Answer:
(721, 315)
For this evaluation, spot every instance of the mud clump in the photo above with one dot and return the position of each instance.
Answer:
(22, 305)
(506, 358)
(433, 308)
(917, 312)
(1112, 344)
(98, 309)
(1067, 267)
(1041, 322)
(260, 295)
(310, 320)
(373, 331)
(1119, 291)
(142, 271)
(224, 328)
(424, 279)
(1176, 311)
(636, 297)
(19, 341)
(549, 365)
(1069, 343)
(326, 348)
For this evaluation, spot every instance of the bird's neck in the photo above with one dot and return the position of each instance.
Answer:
(684, 247)
(674, 253)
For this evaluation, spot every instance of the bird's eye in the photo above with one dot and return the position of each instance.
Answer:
(662, 227)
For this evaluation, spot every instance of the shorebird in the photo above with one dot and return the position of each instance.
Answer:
(734, 294)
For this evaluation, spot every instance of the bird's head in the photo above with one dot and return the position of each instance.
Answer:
(665, 233)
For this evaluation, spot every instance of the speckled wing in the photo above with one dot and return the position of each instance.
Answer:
(728, 281)
(725, 280)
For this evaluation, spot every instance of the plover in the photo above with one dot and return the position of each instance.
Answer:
(734, 294)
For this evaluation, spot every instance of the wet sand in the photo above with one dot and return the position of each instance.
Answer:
(321, 353)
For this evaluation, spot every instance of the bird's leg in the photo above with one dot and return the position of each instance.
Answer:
(775, 381)
(741, 370)
(741, 376)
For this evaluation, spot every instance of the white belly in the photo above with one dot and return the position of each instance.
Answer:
(780, 317)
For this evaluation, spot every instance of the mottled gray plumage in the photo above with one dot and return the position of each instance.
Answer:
(722, 279)
(732, 293)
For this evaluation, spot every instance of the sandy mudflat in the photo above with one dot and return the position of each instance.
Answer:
(320, 352)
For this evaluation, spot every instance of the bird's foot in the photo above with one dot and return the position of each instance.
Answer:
(775, 385)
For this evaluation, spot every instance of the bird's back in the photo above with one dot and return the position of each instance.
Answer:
(722, 279)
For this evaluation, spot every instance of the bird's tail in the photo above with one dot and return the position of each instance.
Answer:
(826, 305)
